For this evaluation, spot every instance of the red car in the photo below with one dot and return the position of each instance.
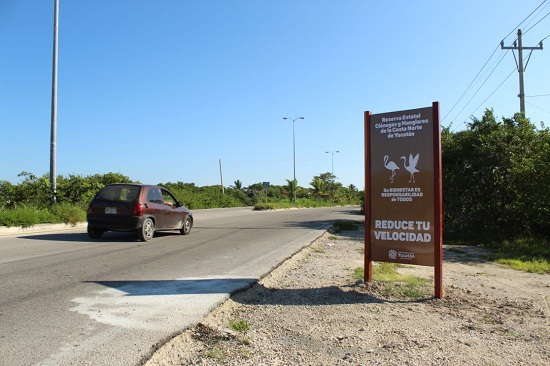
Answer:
(137, 207)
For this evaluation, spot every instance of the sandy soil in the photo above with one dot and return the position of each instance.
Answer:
(311, 311)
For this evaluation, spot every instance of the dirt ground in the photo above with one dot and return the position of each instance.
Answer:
(311, 311)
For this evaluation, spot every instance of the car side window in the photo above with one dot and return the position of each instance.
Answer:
(154, 195)
(168, 198)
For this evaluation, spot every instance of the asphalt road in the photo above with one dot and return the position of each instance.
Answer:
(68, 300)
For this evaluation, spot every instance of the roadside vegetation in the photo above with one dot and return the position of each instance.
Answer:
(30, 202)
(496, 175)
(495, 189)
(398, 285)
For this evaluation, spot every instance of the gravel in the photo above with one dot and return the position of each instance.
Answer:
(311, 311)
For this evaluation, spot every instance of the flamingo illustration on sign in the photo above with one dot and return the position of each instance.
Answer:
(390, 166)
(411, 168)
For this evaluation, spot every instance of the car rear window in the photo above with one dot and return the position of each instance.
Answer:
(119, 193)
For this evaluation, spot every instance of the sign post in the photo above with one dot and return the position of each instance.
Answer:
(403, 194)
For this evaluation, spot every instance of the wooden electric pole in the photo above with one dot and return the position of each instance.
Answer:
(519, 62)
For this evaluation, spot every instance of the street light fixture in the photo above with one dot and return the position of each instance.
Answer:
(294, 148)
(332, 153)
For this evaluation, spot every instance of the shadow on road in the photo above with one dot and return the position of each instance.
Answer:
(179, 287)
(82, 237)
(244, 290)
(110, 236)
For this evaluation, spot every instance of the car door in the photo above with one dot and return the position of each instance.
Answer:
(154, 206)
(173, 215)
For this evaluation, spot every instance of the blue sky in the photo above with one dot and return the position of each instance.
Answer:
(161, 90)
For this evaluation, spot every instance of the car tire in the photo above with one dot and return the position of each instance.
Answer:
(95, 233)
(147, 230)
(187, 225)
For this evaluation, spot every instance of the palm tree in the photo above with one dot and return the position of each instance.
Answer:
(238, 185)
(319, 187)
(351, 191)
(292, 187)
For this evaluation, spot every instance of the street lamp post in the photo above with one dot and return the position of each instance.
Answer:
(53, 135)
(332, 153)
(294, 149)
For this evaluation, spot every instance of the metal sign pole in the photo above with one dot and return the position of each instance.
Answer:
(438, 205)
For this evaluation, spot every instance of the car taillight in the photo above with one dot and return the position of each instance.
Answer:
(138, 210)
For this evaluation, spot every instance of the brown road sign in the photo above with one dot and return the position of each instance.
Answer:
(403, 187)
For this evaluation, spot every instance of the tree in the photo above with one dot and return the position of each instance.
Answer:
(325, 185)
(238, 185)
(319, 187)
(350, 193)
(493, 178)
(292, 187)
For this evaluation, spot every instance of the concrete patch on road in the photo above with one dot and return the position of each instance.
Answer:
(157, 305)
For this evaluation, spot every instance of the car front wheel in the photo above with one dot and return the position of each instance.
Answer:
(147, 230)
(187, 225)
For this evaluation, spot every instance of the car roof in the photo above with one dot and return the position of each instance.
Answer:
(132, 184)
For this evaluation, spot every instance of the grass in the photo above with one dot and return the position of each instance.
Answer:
(215, 353)
(300, 203)
(358, 273)
(27, 215)
(241, 326)
(540, 265)
(401, 285)
(529, 255)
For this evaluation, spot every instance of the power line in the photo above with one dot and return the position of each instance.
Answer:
(537, 22)
(527, 17)
(531, 104)
(471, 83)
(540, 95)
(494, 91)
(539, 11)
(486, 62)
(478, 89)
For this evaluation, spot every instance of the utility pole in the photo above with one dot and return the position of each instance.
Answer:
(53, 138)
(519, 62)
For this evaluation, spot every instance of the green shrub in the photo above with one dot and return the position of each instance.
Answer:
(69, 214)
(25, 216)
(342, 225)
(266, 206)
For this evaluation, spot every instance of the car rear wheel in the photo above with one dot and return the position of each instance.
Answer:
(187, 225)
(147, 230)
(95, 233)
